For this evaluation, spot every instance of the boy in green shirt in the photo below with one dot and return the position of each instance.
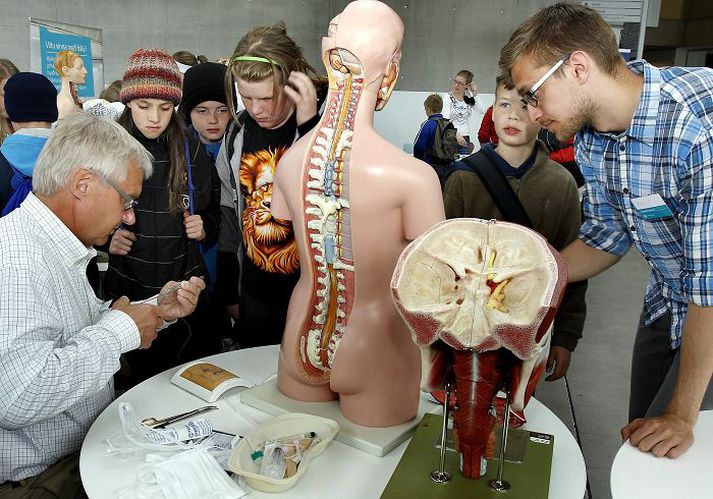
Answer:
(546, 191)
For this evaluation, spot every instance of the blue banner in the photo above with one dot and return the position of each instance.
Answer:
(52, 43)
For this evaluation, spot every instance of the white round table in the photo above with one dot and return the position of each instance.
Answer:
(641, 474)
(340, 472)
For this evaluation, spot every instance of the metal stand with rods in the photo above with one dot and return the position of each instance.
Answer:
(576, 428)
(500, 485)
(441, 475)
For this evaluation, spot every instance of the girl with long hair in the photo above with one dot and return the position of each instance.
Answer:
(176, 212)
(459, 105)
(257, 253)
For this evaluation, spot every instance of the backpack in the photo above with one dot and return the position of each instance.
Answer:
(445, 145)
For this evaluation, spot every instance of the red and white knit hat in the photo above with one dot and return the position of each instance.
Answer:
(151, 74)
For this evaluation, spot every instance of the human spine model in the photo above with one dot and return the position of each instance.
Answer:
(327, 223)
(489, 292)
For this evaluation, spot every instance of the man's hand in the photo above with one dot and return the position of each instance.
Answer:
(300, 89)
(121, 242)
(557, 363)
(460, 139)
(671, 434)
(145, 316)
(181, 302)
(666, 435)
(194, 226)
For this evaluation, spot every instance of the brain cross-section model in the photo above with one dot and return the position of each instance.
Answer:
(480, 298)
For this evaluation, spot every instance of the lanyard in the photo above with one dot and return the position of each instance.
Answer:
(191, 187)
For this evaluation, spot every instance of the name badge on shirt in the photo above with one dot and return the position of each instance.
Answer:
(652, 207)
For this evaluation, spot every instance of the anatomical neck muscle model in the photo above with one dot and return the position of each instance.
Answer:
(355, 202)
(480, 298)
(70, 67)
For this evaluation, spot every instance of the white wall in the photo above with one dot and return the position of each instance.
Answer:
(442, 36)
(401, 118)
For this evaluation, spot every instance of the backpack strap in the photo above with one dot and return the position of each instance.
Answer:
(499, 188)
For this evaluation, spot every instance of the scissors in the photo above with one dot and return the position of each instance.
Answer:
(160, 423)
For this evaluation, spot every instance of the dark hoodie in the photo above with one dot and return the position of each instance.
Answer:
(162, 251)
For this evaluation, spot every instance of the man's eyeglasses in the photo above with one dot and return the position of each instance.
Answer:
(529, 98)
(130, 203)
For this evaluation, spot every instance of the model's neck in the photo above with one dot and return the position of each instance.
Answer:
(364, 118)
(66, 87)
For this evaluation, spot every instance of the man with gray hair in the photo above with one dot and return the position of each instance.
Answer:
(59, 344)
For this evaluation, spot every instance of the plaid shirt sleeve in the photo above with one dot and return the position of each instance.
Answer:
(696, 222)
(42, 375)
(603, 228)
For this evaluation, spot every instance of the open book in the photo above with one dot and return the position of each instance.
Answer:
(207, 380)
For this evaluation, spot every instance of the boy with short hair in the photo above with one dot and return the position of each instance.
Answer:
(433, 105)
(425, 139)
(547, 193)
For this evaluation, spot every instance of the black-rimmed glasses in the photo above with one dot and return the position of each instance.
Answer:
(130, 203)
(529, 98)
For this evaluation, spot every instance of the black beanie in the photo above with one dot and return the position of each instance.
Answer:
(30, 97)
(202, 82)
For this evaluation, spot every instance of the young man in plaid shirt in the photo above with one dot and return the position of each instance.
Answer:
(645, 145)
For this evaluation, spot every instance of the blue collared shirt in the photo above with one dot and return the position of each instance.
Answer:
(667, 150)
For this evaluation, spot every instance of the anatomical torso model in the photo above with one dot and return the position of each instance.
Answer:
(480, 298)
(355, 202)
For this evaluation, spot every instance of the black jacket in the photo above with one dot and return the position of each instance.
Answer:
(162, 251)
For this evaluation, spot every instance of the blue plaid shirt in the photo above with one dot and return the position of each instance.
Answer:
(667, 150)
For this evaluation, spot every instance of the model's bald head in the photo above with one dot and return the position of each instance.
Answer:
(370, 30)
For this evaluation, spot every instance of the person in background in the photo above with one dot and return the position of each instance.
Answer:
(487, 134)
(204, 105)
(644, 142)
(423, 144)
(562, 152)
(31, 106)
(204, 109)
(176, 214)
(462, 99)
(112, 93)
(257, 253)
(186, 60)
(7, 69)
(107, 104)
(546, 192)
(60, 344)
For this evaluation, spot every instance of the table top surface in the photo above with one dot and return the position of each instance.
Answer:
(340, 472)
(641, 474)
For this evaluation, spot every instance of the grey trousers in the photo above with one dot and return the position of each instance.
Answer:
(59, 481)
(654, 368)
